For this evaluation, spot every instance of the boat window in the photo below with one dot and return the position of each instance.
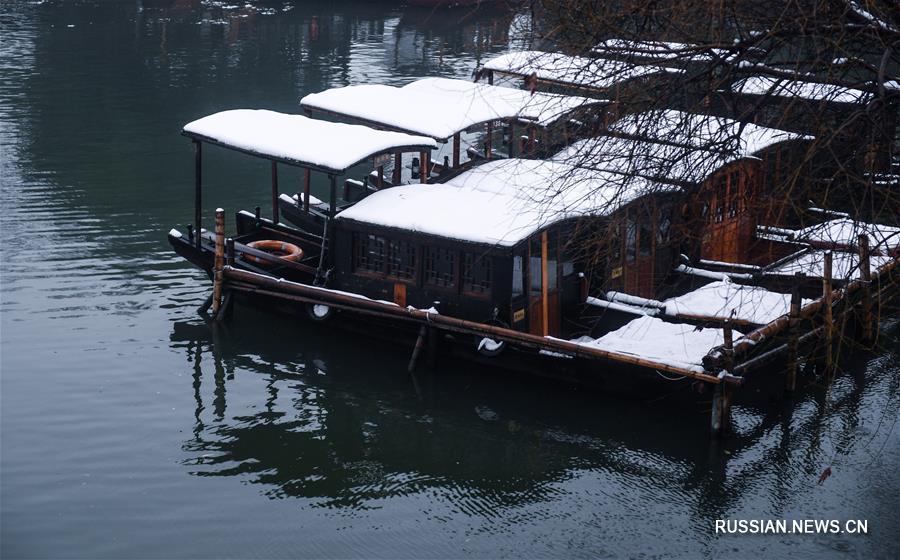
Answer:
(440, 267)
(368, 252)
(476, 273)
(662, 231)
(517, 287)
(568, 268)
(720, 209)
(551, 274)
(402, 260)
(630, 240)
(645, 239)
(534, 271)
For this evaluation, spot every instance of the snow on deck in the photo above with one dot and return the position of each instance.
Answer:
(767, 85)
(844, 231)
(501, 202)
(844, 265)
(298, 139)
(678, 345)
(703, 131)
(441, 107)
(647, 159)
(718, 299)
(595, 73)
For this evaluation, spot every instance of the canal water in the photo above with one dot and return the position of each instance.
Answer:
(131, 429)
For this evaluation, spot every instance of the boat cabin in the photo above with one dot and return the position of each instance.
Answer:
(453, 111)
(750, 178)
(824, 110)
(497, 244)
(284, 140)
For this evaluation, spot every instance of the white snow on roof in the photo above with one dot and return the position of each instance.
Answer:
(718, 299)
(299, 139)
(678, 345)
(441, 107)
(596, 73)
(703, 131)
(501, 202)
(844, 265)
(844, 231)
(661, 50)
(767, 85)
(647, 159)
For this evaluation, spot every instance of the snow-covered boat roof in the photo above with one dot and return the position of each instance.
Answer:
(702, 131)
(441, 107)
(768, 85)
(664, 162)
(844, 265)
(298, 140)
(577, 71)
(846, 232)
(501, 202)
(661, 51)
(718, 299)
(674, 344)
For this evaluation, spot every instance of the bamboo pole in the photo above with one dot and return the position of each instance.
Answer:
(487, 142)
(828, 314)
(380, 177)
(417, 349)
(219, 261)
(198, 187)
(306, 187)
(276, 287)
(865, 273)
(545, 291)
(423, 167)
(274, 192)
(456, 149)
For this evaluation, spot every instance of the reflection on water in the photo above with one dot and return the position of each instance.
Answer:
(131, 428)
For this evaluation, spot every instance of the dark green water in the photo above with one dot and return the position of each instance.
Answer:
(132, 429)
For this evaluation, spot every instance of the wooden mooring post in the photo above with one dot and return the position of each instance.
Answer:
(827, 316)
(793, 333)
(219, 261)
(720, 421)
(865, 275)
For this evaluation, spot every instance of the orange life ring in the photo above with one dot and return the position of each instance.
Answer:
(280, 249)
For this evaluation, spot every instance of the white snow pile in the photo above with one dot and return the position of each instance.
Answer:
(595, 73)
(846, 232)
(502, 201)
(718, 299)
(768, 85)
(650, 338)
(299, 139)
(702, 131)
(441, 107)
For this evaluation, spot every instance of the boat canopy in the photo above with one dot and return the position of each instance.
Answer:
(812, 91)
(502, 202)
(702, 131)
(442, 107)
(572, 71)
(298, 140)
(663, 162)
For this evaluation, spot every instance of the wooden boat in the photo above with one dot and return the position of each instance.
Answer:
(485, 266)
